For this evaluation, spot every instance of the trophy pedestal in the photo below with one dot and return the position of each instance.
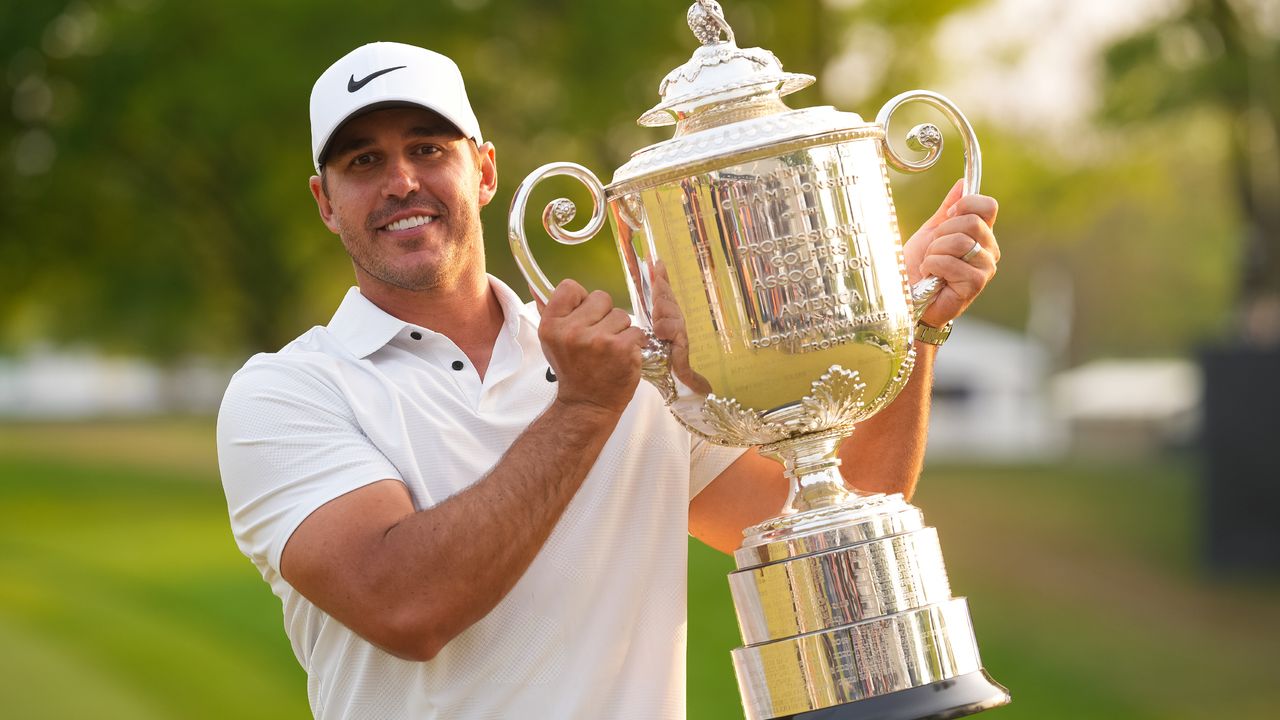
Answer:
(957, 697)
(846, 614)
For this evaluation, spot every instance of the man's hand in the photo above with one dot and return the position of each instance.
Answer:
(592, 348)
(938, 246)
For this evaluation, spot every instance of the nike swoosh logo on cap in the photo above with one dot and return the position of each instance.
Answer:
(354, 85)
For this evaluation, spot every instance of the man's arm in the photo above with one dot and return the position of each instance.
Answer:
(411, 581)
(886, 452)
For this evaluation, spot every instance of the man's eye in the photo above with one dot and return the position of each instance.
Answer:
(427, 150)
(362, 159)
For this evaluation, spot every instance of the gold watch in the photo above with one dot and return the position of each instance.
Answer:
(932, 335)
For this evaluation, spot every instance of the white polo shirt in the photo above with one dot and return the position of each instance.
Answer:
(595, 628)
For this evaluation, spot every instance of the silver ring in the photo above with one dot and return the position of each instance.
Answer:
(973, 252)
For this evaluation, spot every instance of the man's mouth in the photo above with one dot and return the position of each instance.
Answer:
(409, 223)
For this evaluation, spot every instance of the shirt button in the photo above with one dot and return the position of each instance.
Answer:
(457, 365)
(415, 335)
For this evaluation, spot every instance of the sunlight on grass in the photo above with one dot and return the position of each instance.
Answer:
(124, 583)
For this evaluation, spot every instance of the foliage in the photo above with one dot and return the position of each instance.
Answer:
(173, 217)
(1218, 56)
(153, 168)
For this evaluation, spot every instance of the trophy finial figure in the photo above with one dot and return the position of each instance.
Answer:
(719, 74)
(706, 20)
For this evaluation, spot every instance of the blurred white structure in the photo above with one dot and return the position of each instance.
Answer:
(989, 397)
(1132, 407)
(995, 396)
(47, 384)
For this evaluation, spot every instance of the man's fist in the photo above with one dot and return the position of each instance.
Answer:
(959, 246)
(592, 347)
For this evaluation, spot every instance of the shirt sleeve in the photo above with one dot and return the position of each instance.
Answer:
(707, 460)
(288, 442)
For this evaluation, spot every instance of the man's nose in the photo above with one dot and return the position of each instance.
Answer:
(401, 180)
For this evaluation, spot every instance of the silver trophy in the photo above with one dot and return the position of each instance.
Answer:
(762, 254)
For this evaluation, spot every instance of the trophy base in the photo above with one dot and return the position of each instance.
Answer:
(959, 696)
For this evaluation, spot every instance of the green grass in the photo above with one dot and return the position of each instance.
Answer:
(122, 594)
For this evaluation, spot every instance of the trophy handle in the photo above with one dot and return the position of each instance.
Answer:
(656, 355)
(555, 216)
(927, 138)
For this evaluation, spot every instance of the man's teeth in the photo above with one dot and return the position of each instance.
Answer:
(410, 222)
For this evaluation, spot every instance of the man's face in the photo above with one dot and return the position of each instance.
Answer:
(403, 189)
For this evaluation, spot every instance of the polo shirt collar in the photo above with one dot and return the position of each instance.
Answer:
(364, 328)
(513, 308)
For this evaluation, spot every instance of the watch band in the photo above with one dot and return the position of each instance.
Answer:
(932, 335)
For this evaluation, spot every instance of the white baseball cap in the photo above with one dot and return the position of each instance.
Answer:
(387, 74)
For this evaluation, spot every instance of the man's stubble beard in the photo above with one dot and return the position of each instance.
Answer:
(453, 259)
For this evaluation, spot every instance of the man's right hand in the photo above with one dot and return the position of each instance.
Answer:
(592, 347)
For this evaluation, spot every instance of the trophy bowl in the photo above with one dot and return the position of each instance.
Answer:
(763, 257)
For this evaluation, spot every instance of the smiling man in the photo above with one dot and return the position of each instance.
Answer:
(470, 508)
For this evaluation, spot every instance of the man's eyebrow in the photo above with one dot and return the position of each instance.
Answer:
(440, 128)
(349, 146)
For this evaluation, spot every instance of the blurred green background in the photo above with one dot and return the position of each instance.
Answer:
(153, 209)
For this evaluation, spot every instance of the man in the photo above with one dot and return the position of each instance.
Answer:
(470, 508)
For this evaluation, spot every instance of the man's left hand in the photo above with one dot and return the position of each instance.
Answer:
(938, 246)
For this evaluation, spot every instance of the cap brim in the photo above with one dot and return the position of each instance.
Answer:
(386, 104)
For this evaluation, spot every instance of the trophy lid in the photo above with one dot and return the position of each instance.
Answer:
(719, 73)
(724, 101)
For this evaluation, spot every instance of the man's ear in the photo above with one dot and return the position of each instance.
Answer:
(488, 173)
(322, 203)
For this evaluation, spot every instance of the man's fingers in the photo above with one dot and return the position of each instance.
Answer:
(670, 328)
(968, 226)
(953, 196)
(566, 298)
(614, 322)
(960, 245)
(634, 336)
(964, 279)
(660, 272)
(593, 308)
(592, 346)
(984, 206)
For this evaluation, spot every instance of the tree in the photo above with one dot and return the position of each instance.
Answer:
(154, 196)
(1218, 56)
